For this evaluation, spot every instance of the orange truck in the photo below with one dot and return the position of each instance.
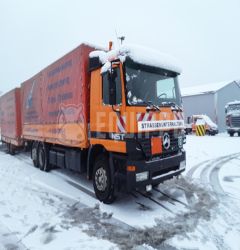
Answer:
(115, 115)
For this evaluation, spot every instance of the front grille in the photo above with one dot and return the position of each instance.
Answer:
(174, 148)
(146, 146)
(235, 121)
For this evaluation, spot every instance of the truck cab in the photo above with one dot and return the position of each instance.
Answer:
(232, 111)
(136, 121)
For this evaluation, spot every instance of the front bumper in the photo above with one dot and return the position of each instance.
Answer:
(159, 170)
(233, 130)
(213, 131)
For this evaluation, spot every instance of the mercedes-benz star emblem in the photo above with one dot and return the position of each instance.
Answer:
(166, 141)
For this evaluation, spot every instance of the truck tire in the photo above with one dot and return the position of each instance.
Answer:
(11, 149)
(8, 148)
(34, 154)
(238, 133)
(102, 182)
(231, 134)
(43, 159)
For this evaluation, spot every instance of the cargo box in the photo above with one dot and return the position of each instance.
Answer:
(55, 102)
(11, 128)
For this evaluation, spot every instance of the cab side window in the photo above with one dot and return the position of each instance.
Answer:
(105, 87)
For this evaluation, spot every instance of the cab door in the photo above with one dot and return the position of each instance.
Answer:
(107, 121)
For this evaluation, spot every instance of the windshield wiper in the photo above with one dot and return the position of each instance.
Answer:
(151, 105)
(173, 105)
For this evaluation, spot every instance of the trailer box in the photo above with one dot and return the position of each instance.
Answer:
(55, 102)
(11, 127)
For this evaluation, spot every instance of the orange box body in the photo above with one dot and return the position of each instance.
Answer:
(10, 109)
(55, 102)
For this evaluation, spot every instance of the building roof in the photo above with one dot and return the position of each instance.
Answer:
(204, 89)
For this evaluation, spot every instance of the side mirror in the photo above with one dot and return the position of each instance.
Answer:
(225, 110)
(112, 87)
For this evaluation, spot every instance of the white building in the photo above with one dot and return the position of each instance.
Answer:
(210, 99)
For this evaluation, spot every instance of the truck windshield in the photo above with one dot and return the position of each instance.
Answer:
(233, 107)
(146, 85)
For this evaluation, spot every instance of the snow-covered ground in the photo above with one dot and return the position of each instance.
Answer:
(58, 210)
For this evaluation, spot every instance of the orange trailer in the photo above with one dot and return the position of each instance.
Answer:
(11, 125)
(55, 102)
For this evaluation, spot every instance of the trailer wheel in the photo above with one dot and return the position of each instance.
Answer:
(11, 149)
(8, 148)
(34, 154)
(102, 183)
(43, 159)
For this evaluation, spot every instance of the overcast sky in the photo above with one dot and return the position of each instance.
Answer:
(203, 35)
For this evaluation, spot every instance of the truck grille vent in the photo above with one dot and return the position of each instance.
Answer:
(146, 147)
(235, 121)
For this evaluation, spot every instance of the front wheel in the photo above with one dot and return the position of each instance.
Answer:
(231, 134)
(102, 181)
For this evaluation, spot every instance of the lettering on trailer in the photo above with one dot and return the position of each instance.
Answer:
(160, 125)
(31, 115)
(60, 98)
(60, 68)
(59, 83)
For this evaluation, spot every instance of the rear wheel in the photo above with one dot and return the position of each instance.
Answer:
(34, 154)
(11, 149)
(231, 134)
(238, 133)
(43, 159)
(102, 181)
(8, 148)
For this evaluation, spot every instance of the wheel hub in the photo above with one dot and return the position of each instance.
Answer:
(101, 179)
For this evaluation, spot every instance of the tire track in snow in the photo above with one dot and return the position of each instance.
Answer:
(194, 168)
(9, 240)
(214, 176)
(210, 171)
(170, 197)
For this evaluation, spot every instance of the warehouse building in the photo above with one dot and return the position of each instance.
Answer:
(210, 99)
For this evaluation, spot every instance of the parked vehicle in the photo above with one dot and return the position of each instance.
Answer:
(210, 127)
(114, 115)
(232, 110)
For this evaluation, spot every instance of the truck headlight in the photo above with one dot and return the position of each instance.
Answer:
(142, 176)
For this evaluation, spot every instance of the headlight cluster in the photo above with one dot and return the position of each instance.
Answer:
(143, 176)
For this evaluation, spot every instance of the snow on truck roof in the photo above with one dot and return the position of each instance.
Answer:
(232, 103)
(138, 54)
(205, 89)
